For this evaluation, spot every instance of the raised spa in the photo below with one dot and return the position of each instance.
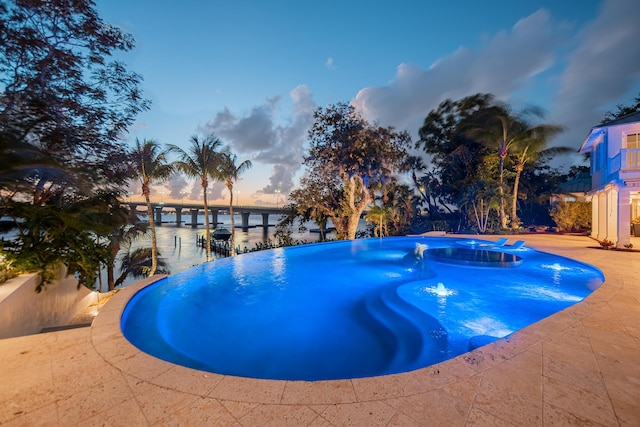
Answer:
(350, 309)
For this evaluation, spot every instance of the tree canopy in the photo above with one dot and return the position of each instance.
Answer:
(347, 158)
(201, 161)
(65, 104)
(622, 110)
(62, 92)
(479, 149)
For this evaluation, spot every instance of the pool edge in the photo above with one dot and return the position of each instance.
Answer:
(116, 350)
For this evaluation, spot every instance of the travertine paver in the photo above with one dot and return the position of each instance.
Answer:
(578, 367)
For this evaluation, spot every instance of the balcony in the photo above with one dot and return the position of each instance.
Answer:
(631, 159)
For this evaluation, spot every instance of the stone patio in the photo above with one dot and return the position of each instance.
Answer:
(578, 367)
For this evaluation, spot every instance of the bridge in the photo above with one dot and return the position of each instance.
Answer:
(195, 209)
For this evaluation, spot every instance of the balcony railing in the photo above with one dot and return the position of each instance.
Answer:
(631, 159)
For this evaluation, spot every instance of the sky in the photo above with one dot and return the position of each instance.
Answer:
(252, 72)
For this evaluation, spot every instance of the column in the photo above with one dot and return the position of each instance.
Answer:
(595, 229)
(179, 217)
(602, 216)
(245, 219)
(624, 217)
(265, 219)
(158, 218)
(214, 217)
(612, 214)
(194, 218)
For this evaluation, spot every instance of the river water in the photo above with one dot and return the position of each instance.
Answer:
(178, 245)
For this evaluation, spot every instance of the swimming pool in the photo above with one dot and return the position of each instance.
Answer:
(350, 309)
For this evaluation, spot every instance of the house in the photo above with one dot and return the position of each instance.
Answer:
(615, 177)
(575, 190)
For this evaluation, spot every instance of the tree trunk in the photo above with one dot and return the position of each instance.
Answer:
(110, 277)
(352, 225)
(111, 263)
(503, 216)
(152, 226)
(514, 206)
(207, 227)
(233, 222)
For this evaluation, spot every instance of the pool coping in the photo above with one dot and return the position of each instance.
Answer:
(118, 352)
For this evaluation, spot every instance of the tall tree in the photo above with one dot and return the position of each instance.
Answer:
(229, 171)
(347, 158)
(62, 92)
(528, 150)
(150, 164)
(503, 129)
(201, 161)
(65, 103)
(455, 156)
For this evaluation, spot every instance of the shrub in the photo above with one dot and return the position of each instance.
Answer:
(572, 216)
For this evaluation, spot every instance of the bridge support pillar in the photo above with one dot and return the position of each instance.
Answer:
(158, 217)
(265, 220)
(214, 217)
(179, 217)
(194, 218)
(245, 219)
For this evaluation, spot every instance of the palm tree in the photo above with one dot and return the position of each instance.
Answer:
(228, 171)
(136, 263)
(531, 150)
(150, 165)
(502, 128)
(201, 161)
(482, 198)
(125, 235)
(380, 215)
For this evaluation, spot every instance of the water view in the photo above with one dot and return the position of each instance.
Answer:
(178, 245)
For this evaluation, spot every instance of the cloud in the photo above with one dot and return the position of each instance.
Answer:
(175, 185)
(253, 132)
(601, 71)
(196, 191)
(134, 187)
(260, 136)
(503, 64)
(593, 68)
(329, 64)
(216, 190)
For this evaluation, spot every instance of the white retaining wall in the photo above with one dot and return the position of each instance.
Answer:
(25, 312)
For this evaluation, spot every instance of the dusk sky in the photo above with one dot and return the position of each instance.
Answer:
(252, 72)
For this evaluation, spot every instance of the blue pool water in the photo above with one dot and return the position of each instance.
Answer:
(350, 309)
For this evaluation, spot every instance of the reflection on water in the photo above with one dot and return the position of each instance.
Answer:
(178, 246)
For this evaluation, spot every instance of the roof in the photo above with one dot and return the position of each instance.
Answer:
(629, 118)
(597, 132)
(579, 184)
(595, 137)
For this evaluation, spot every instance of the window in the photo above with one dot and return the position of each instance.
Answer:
(600, 156)
(633, 151)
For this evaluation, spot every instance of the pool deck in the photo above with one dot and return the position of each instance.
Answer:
(578, 367)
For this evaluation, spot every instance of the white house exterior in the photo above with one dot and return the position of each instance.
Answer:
(615, 177)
